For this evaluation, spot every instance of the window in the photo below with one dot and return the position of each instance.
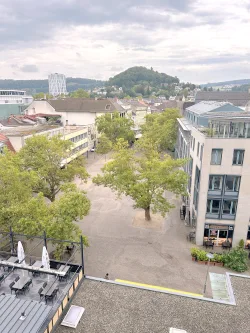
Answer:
(198, 148)
(201, 154)
(215, 183)
(229, 207)
(216, 156)
(238, 157)
(232, 183)
(213, 206)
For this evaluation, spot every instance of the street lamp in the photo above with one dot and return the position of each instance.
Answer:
(210, 256)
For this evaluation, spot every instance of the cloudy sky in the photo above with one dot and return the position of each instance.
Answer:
(197, 40)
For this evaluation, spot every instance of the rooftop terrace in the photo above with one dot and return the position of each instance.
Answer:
(32, 296)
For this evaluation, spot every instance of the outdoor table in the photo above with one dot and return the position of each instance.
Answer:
(65, 269)
(49, 291)
(10, 260)
(21, 283)
(37, 264)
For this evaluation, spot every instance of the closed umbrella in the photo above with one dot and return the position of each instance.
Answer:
(45, 259)
(21, 254)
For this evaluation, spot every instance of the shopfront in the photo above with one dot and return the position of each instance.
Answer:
(219, 233)
(248, 236)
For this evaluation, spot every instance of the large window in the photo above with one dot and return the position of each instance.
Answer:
(238, 156)
(216, 156)
(229, 207)
(213, 206)
(232, 183)
(198, 148)
(215, 183)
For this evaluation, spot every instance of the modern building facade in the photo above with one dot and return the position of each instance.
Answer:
(215, 137)
(57, 84)
(13, 102)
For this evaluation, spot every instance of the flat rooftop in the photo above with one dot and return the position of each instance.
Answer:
(115, 308)
(25, 131)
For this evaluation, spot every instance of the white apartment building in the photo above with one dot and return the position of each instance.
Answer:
(57, 84)
(76, 134)
(215, 137)
(15, 97)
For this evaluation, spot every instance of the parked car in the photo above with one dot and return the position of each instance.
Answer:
(92, 149)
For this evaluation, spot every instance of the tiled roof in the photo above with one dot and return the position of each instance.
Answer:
(4, 139)
(167, 105)
(82, 105)
(234, 97)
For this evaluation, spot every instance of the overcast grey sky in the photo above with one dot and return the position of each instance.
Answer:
(196, 40)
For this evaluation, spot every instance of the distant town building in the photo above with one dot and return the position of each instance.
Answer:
(57, 84)
(13, 102)
(234, 97)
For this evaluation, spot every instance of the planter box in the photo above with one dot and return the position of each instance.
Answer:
(202, 262)
(220, 264)
(194, 259)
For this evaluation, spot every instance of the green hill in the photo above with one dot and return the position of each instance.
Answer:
(37, 86)
(141, 75)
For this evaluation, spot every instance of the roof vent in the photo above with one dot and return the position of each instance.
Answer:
(23, 316)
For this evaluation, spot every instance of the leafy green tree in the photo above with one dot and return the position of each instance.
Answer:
(30, 214)
(104, 145)
(144, 177)
(16, 189)
(80, 93)
(115, 127)
(161, 129)
(42, 95)
(236, 259)
(44, 157)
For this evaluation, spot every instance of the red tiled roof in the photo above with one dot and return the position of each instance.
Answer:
(7, 142)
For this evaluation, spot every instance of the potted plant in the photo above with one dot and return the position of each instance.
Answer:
(202, 257)
(218, 259)
(194, 253)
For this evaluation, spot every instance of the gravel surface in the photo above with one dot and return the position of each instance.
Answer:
(112, 309)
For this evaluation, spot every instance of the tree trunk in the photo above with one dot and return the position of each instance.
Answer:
(147, 214)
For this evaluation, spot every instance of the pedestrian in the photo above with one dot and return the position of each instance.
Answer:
(107, 276)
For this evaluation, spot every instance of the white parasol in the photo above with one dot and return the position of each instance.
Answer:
(21, 254)
(45, 259)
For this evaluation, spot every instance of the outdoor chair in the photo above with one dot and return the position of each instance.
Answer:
(11, 285)
(2, 278)
(27, 286)
(40, 292)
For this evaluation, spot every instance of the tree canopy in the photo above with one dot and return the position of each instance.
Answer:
(80, 93)
(143, 175)
(115, 127)
(44, 157)
(104, 145)
(31, 213)
(161, 129)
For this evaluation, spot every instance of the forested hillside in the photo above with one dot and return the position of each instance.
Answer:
(36, 86)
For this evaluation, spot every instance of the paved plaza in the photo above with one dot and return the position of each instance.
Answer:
(129, 251)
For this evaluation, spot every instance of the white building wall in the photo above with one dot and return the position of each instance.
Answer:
(241, 221)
